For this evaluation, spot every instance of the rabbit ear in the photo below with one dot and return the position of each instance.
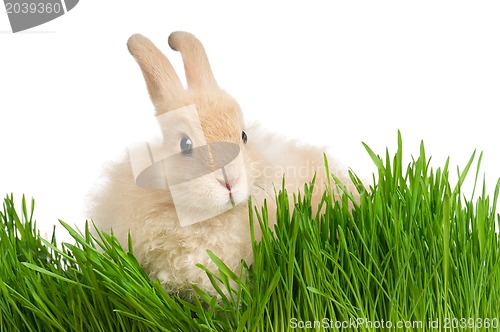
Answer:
(162, 82)
(196, 65)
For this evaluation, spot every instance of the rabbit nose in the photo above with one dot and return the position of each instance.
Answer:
(228, 179)
(226, 184)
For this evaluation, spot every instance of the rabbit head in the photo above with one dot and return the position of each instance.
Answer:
(210, 141)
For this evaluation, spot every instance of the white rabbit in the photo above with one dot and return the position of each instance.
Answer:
(167, 250)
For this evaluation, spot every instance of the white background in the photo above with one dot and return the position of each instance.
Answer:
(330, 73)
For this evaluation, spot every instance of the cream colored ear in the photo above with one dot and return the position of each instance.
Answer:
(198, 72)
(162, 82)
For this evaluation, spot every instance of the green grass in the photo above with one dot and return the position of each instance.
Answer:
(413, 249)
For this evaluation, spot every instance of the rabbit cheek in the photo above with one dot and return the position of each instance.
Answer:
(239, 194)
(239, 190)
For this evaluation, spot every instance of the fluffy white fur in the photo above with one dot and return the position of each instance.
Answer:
(169, 252)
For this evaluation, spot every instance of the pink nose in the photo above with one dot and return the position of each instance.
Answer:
(225, 184)
(228, 181)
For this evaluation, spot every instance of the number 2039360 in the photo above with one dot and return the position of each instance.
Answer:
(32, 8)
(470, 323)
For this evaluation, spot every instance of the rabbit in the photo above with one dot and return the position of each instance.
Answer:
(167, 250)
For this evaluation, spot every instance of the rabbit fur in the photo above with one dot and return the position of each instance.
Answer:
(167, 251)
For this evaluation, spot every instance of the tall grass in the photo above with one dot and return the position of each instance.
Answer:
(413, 252)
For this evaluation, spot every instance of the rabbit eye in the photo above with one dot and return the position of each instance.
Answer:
(244, 137)
(186, 145)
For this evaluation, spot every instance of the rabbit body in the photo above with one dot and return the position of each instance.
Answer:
(166, 250)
